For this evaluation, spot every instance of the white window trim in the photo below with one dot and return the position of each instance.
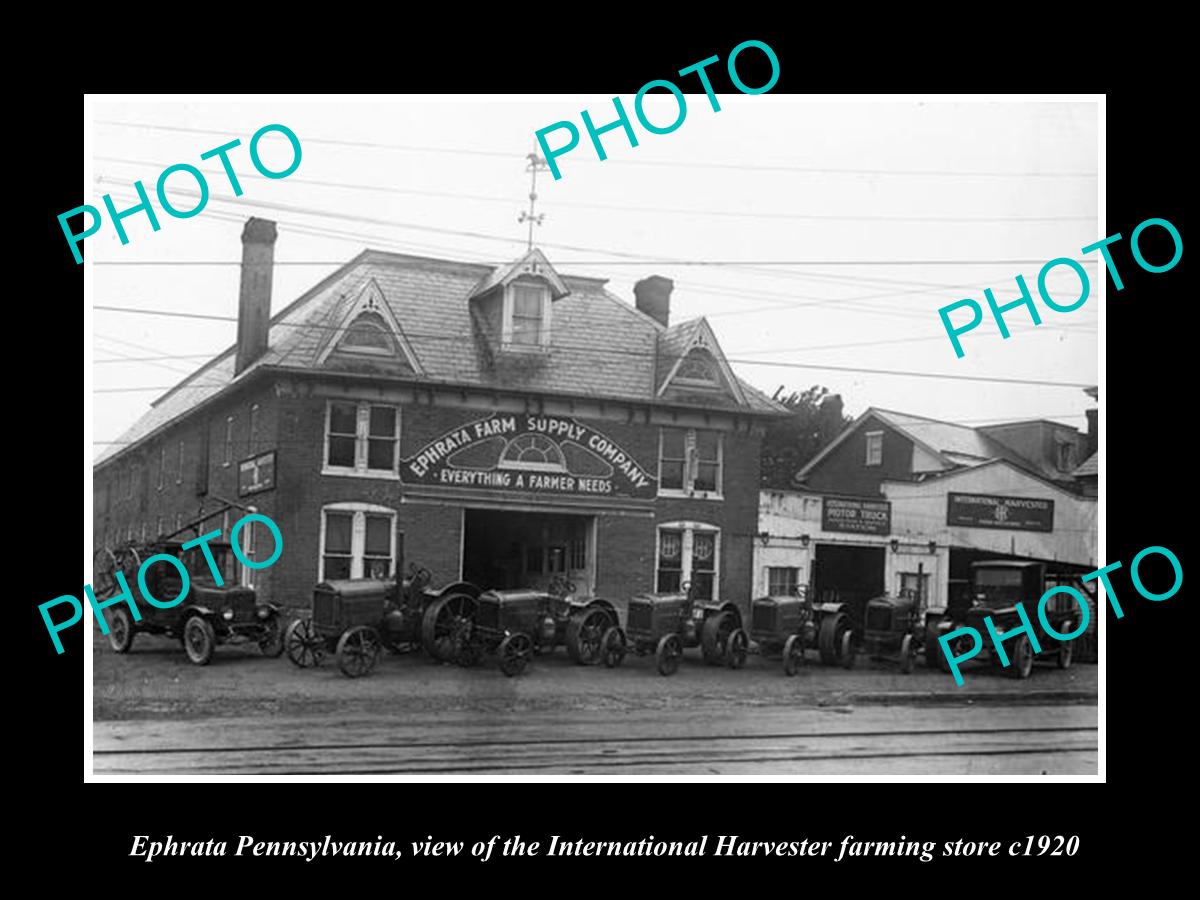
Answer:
(867, 460)
(506, 340)
(252, 431)
(358, 535)
(369, 318)
(361, 437)
(690, 463)
(689, 530)
(767, 579)
(228, 442)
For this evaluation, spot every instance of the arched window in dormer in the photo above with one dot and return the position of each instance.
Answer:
(698, 369)
(368, 334)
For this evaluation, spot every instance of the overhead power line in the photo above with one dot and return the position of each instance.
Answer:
(666, 210)
(673, 164)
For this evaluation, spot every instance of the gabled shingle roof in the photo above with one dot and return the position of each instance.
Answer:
(600, 346)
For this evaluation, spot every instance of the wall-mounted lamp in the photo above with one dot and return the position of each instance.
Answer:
(894, 543)
(804, 539)
(933, 546)
(764, 537)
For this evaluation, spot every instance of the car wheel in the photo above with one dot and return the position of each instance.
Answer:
(1020, 665)
(199, 640)
(120, 630)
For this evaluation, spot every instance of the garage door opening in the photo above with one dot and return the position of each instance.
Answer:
(504, 550)
(848, 574)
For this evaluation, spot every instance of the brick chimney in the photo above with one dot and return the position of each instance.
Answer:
(254, 299)
(654, 297)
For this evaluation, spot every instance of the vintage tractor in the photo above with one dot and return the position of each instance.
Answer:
(995, 588)
(891, 627)
(216, 609)
(515, 624)
(665, 623)
(356, 618)
(785, 625)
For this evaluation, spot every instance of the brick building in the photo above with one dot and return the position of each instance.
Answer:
(500, 424)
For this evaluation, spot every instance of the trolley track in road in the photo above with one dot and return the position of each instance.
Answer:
(649, 752)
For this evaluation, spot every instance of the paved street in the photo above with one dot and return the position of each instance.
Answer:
(156, 713)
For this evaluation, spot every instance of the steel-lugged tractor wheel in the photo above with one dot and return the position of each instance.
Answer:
(514, 653)
(908, 654)
(358, 651)
(585, 635)
(736, 648)
(104, 569)
(668, 653)
(614, 648)
(270, 644)
(829, 638)
(714, 637)
(446, 627)
(1020, 661)
(1066, 649)
(303, 645)
(199, 640)
(793, 654)
(849, 651)
(120, 630)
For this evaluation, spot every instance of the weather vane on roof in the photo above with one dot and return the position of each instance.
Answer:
(536, 164)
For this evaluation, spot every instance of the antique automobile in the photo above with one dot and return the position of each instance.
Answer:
(784, 625)
(995, 588)
(515, 624)
(211, 613)
(665, 623)
(354, 619)
(892, 627)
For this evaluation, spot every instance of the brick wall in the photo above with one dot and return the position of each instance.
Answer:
(844, 470)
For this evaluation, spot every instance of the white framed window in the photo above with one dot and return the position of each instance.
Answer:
(228, 460)
(526, 315)
(688, 553)
(912, 582)
(252, 431)
(162, 464)
(362, 439)
(179, 474)
(782, 581)
(690, 462)
(697, 370)
(874, 448)
(1066, 456)
(358, 540)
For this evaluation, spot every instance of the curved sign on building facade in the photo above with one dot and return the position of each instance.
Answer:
(520, 452)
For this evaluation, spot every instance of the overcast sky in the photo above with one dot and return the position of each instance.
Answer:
(767, 180)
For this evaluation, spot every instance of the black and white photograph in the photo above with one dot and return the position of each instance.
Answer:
(689, 434)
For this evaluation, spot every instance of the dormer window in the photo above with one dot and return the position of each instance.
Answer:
(527, 314)
(368, 334)
(697, 370)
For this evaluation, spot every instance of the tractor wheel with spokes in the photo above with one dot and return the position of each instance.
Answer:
(446, 627)
(585, 635)
(358, 651)
(668, 653)
(736, 648)
(304, 646)
(514, 653)
(714, 637)
(793, 654)
(614, 650)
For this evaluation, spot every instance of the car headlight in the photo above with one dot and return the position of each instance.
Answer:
(263, 612)
(227, 615)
